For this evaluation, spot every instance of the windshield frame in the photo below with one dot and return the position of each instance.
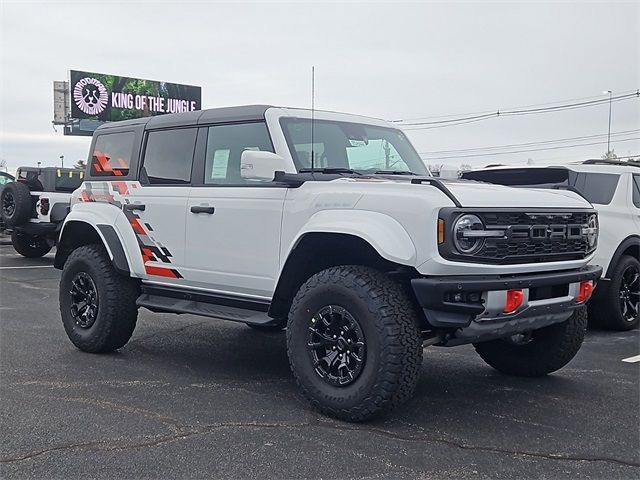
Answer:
(285, 120)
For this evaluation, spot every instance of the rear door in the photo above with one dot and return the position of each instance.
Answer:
(157, 207)
(233, 225)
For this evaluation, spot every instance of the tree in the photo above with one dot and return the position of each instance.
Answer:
(80, 165)
(3, 164)
(610, 155)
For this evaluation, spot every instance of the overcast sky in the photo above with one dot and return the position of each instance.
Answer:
(389, 60)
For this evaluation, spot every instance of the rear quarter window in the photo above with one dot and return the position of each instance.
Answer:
(111, 154)
(636, 190)
(596, 187)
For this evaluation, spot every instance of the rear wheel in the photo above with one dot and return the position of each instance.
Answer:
(98, 305)
(30, 246)
(15, 204)
(538, 352)
(353, 342)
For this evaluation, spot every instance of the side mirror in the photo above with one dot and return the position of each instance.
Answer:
(259, 165)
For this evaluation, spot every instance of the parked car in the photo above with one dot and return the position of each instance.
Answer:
(613, 187)
(327, 224)
(34, 205)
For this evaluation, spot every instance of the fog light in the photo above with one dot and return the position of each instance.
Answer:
(585, 291)
(514, 301)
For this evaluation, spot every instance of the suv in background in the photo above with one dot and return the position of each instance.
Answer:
(613, 187)
(327, 224)
(34, 205)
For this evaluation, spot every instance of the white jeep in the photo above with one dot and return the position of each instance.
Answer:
(329, 225)
(614, 188)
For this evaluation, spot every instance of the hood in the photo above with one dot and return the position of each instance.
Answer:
(474, 194)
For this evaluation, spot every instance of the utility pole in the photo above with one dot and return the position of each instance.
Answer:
(62, 161)
(609, 133)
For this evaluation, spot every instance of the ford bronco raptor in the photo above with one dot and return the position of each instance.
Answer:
(34, 206)
(613, 187)
(330, 226)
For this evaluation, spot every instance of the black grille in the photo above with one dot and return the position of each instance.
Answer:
(519, 246)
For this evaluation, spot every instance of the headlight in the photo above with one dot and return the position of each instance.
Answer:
(464, 225)
(592, 231)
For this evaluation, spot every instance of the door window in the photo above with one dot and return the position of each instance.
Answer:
(168, 157)
(225, 144)
(636, 190)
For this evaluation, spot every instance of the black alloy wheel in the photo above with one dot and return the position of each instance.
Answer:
(336, 344)
(629, 293)
(84, 300)
(8, 205)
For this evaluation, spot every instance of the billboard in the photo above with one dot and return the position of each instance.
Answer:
(109, 98)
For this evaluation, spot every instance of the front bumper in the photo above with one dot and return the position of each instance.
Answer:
(472, 306)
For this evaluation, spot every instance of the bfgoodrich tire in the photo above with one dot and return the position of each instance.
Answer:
(30, 246)
(15, 204)
(350, 313)
(538, 353)
(98, 305)
(618, 307)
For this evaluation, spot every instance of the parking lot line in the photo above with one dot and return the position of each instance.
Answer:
(30, 266)
(632, 359)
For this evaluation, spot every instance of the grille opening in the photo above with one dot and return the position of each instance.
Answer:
(548, 291)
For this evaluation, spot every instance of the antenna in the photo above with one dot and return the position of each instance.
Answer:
(313, 108)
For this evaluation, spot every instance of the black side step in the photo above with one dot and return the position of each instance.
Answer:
(161, 299)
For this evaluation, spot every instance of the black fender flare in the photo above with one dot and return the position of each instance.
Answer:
(631, 241)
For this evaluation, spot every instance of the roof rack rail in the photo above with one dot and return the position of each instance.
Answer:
(439, 185)
(594, 161)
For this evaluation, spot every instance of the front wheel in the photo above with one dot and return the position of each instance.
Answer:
(98, 305)
(353, 342)
(538, 352)
(30, 246)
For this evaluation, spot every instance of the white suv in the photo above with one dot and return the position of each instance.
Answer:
(613, 187)
(329, 225)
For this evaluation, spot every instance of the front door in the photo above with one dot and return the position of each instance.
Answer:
(233, 225)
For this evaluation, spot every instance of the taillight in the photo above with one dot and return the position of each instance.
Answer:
(44, 206)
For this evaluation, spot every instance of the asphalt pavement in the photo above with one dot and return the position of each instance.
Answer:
(191, 397)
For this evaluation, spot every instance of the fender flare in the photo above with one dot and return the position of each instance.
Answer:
(114, 239)
(631, 241)
(384, 233)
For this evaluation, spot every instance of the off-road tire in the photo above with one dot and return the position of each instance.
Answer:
(605, 310)
(550, 348)
(30, 246)
(117, 294)
(23, 206)
(388, 319)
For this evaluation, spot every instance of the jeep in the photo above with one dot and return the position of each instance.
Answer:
(614, 188)
(34, 206)
(328, 225)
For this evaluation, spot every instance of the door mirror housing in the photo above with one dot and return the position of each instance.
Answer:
(259, 165)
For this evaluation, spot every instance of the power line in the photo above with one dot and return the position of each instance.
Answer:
(529, 150)
(513, 112)
(541, 142)
(510, 108)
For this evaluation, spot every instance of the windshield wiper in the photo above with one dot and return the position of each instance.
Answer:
(329, 170)
(394, 172)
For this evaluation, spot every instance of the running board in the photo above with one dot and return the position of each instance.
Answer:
(178, 301)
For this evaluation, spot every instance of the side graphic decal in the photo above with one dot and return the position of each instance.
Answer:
(116, 193)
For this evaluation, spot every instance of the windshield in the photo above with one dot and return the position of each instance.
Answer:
(353, 146)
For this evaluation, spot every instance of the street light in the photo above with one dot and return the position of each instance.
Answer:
(609, 134)
(62, 161)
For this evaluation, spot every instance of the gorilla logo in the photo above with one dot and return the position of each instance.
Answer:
(90, 96)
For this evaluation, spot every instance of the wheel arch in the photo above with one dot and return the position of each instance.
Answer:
(77, 232)
(629, 246)
(315, 251)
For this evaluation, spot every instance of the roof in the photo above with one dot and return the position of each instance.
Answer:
(599, 167)
(229, 114)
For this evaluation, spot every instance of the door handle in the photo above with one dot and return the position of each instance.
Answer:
(135, 206)
(202, 209)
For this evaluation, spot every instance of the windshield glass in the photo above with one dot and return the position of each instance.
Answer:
(363, 148)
